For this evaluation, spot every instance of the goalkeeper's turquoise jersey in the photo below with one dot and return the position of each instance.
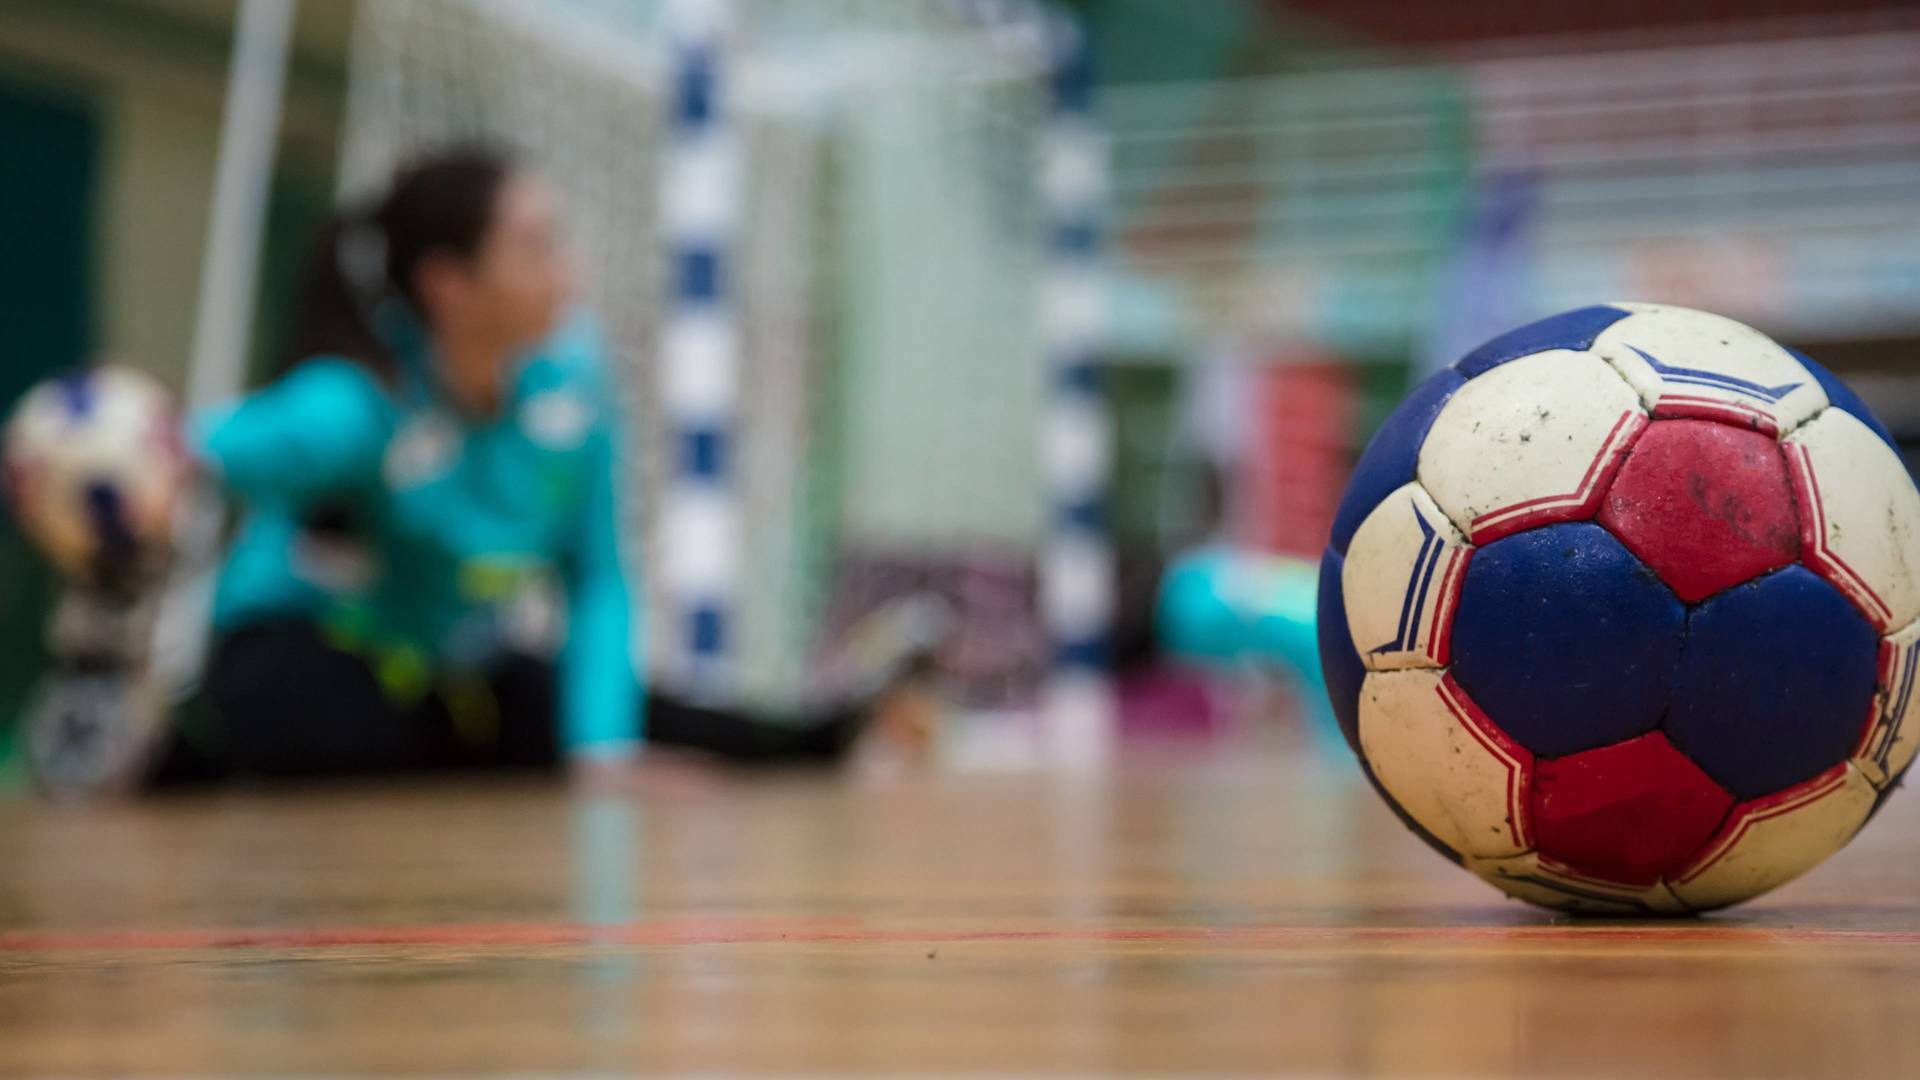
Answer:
(454, 520)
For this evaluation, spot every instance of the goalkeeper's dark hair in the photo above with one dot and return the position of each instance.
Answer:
(360, 273)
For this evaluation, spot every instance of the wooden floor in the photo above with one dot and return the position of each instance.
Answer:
(1234, 918)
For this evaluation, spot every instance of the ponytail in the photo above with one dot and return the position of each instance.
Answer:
(342, 292)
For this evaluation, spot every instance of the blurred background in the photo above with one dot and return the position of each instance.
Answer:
(1033, 302)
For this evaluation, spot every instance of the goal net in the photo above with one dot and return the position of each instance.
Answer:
(887, 262)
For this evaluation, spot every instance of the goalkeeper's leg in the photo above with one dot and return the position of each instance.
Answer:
(759, 736)
(280, 700)
(119, 657)
(96, 717)
(881, 677)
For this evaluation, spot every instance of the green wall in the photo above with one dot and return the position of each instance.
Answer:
(46, 321)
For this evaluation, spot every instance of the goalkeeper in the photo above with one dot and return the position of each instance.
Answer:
(445, 439)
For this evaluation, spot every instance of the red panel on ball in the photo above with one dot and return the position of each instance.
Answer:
(1706, 505)
(1627, 813)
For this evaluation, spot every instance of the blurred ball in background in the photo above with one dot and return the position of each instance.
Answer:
(94, 464)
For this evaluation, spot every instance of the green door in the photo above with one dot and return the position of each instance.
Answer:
(48, 167)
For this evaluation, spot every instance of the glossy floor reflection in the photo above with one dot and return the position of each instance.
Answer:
(1243, 917)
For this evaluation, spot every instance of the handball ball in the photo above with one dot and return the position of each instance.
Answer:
(1620, 612)
(94, 466)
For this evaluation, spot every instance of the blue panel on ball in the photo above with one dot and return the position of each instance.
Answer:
(1566, 640)
(1339, 660)
(1844, 398)
(76, 391)
(1574, 329)
(1392, 456)
(1774, 684)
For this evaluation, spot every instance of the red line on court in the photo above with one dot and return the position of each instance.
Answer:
(852, 932)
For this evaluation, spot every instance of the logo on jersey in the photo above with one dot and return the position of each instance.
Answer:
(423, 451)
(556, 420)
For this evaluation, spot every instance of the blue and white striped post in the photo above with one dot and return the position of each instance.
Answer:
(700, 515)
(1078, 572)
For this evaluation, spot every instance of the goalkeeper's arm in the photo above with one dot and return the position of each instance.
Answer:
(320, 430)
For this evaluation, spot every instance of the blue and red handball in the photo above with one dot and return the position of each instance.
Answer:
(1620, 612)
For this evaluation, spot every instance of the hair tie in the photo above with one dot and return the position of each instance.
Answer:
(361, 253)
